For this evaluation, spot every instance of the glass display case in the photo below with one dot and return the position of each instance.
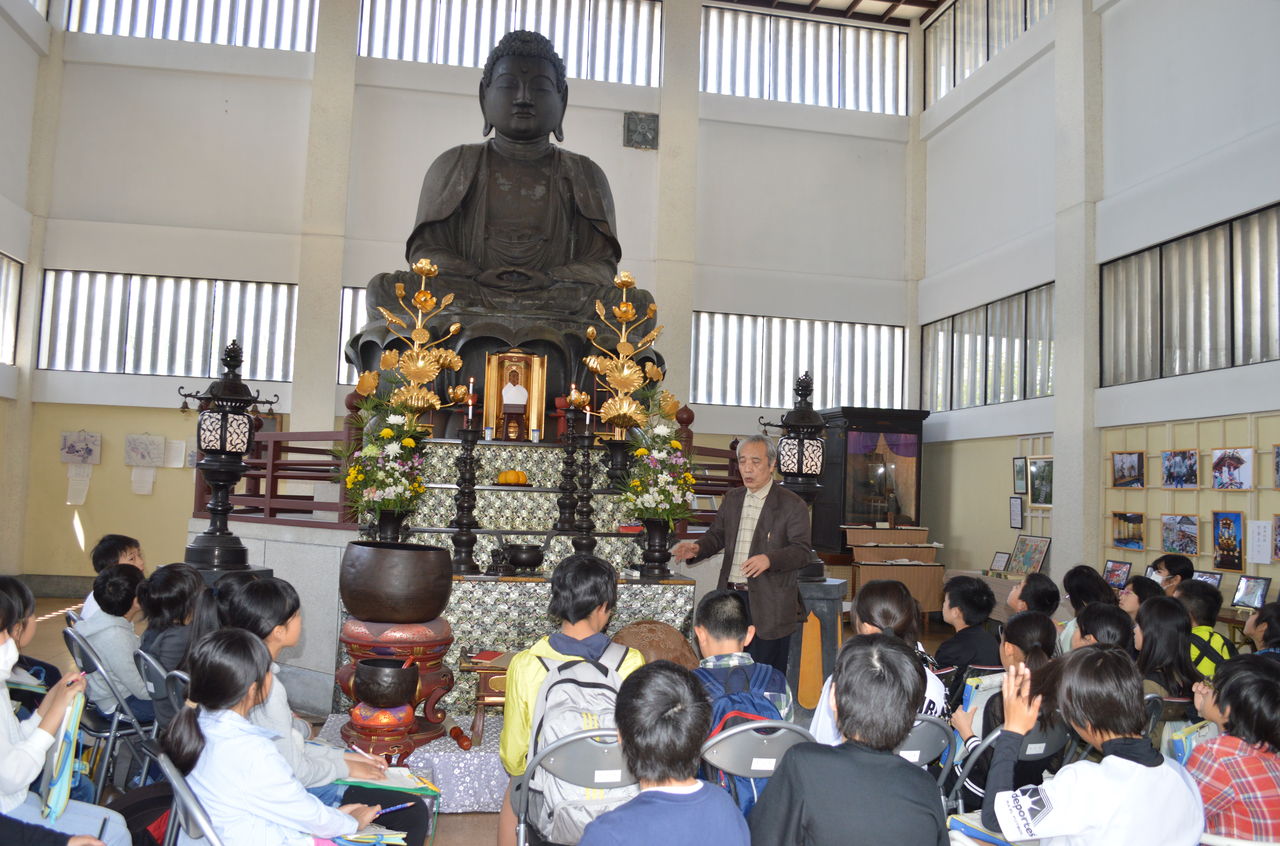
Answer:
(871, 472)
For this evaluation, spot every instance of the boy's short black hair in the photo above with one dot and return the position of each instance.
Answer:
(1084, 585)
(1250, 686)
(579, 585)
(1176, 565)
(1144, 588)
(663, 716)
(1108, 624)
(116, 587)
(1202, 599)
(1040, 593)
(723, 613)
(1099, 688)
(879, 686)
(109, 548)
(972, 596)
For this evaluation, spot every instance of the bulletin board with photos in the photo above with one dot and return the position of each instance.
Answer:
(1030, 509)
(1208, 489)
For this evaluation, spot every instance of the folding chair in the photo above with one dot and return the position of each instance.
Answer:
(176, 683)
(1208, 839)
(1038, 744)
(929, 740)
(591, 759)
(72, 617)
(187, 814)
(754, 748)
(122, 724)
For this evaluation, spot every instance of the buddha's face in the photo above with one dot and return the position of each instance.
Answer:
(521, 101)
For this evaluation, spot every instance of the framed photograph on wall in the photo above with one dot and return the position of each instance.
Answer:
(1128, 470)
(1000, 562)
(1020, 475)
(1228, 540)
(1040, 480)
(1029, 554)
(1275, 460)
(1180, 468)
(1015, 512)
(1116, 573)
(1275, 536)
(1233, 469)
(1127, 528)
(1180, 533)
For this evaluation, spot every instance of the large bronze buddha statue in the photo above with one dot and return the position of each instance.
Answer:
(522, 230)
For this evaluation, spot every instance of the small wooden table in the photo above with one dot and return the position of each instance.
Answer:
(491, 685)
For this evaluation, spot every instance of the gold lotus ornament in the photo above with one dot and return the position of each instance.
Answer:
(668, 405)
(616, 370)
(623, 411)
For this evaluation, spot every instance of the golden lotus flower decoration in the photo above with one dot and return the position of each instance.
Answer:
(420, 364)
(616, 370)
(668, 405)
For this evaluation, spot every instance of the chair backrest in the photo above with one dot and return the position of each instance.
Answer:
(89, 662)
(753, 749)
(72, 617)
(1038, 744)
(176, 683)
(153, 674)
(929, 739)
(187, 813)
(1154, 706)
(591, 758)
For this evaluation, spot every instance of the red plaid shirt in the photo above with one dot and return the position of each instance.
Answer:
(1240, 785)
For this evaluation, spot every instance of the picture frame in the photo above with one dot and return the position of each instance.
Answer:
(1020, 475)
(1251, 592)
(1180, 533)
(1275, 470)
(1232, 469)
(1128, 470)
(80, 447)
(1275, 537)
(999, 562)
(1209, 578)
(1179, 469)
(531, 373)
(1128, 530)
(1029, 554)
(1015, 512)
(1040, 481)
(1116, 573)
(1228, 541)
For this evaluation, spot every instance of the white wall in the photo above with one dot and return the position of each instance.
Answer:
(23, 39)
(1191, 120)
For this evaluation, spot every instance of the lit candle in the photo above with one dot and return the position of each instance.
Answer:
(471, 399)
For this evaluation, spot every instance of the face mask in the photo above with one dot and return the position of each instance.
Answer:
(8, 657)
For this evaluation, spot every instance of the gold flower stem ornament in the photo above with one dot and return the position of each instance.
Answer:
(616, 370)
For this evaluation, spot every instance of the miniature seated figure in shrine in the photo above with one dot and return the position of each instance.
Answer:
(515, 404)
(522, 230)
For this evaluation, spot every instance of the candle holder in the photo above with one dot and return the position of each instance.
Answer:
(464, 540)
(568, 500)
(583, 542)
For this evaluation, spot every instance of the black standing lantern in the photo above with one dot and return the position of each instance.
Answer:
(801, 447)
(224, 435)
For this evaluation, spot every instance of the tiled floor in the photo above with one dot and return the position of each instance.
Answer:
(47, 645)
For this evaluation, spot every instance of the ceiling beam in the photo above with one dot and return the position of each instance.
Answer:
(822, 11)
(853, 7)
(888, 13)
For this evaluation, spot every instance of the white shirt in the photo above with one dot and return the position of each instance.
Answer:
(90, 608)
(23, 745)
(751, 505)
(313, 764)
(1117, 802)
(824, 729)
(250, 792)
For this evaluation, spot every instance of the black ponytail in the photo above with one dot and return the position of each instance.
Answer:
(224, 666)
(1035, 634)
(259, 606)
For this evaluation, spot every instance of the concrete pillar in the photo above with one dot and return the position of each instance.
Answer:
(677, 213)
(915, 180)
(1078, 175)
(324, 216)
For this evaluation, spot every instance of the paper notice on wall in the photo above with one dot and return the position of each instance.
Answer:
(175, 453)
(78, 476)
(1258, 542)
(143, 480)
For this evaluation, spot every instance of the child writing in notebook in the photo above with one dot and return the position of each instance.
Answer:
(269, 608)
(242, 781)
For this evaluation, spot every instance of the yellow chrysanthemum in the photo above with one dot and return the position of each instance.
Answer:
(641, 452)
(385, 433)
(408, 442)
(676, 445)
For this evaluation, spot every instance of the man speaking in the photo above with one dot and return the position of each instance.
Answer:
(763, 530)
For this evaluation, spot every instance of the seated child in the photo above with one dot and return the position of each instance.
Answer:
(1173, 571)
(1036, 592)
(966, 604)
(1137, 591)
(1208, 648)
(1083, 585)
(859, 793)
(1134, 795)
(1263, 628)
(110, 633)
(882, 606)
(170, 600)
(1238, 772)
(270, 609)
(721, 627)
(24, 745)
(663, 716)
(111, 549)
(1104, 623)
(584, 590)
(232, 766)
(1029, 639)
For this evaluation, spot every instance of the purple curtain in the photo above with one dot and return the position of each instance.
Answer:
(903, 445)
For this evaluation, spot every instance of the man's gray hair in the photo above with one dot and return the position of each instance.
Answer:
(770, 450)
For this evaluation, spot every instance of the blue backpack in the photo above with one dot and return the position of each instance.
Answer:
(737, 696)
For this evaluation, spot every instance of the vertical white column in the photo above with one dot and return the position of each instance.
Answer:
(677, 213)
(915, 181)
(324, 216)
(1078, 176)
